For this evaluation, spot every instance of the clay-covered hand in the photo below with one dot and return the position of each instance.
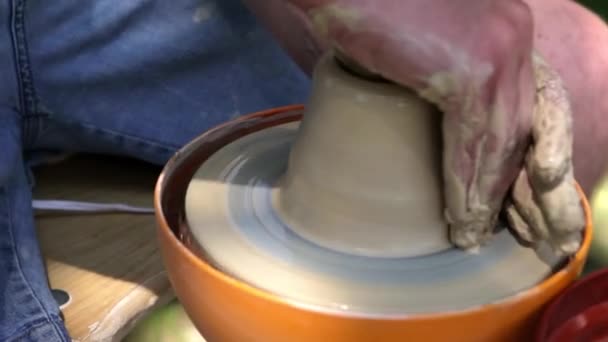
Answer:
(544, 204)
(507, 120)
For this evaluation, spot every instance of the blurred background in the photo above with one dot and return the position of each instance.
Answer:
(598, 6)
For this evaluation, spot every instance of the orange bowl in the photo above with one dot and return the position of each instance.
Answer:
(226, 309)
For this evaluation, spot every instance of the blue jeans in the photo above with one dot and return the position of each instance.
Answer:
(136, 78)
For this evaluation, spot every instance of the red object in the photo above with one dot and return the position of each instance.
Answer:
(580, 313)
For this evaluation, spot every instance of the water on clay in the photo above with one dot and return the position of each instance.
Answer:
(229, 210)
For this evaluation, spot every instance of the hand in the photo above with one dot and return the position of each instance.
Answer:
(507, 120)
(544, 204)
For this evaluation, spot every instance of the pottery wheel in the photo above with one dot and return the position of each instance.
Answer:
(230, 211)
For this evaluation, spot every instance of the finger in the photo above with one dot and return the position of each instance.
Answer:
(494, 132)
(518, 225)
(562, 208)
(474, 230)
(551, 129)
(550, 160)
(558, 231)
(527, 207)
(471, 220)
(568, 244)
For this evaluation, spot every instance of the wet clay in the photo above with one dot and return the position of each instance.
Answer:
(364, 174)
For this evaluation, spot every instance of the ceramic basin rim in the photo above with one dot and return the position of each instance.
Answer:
(169, 234)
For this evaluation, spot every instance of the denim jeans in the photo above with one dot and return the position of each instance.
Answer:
(136, 78)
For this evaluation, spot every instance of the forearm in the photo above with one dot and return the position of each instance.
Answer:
(291, 29)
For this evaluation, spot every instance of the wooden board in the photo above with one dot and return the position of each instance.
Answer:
(108, 263)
